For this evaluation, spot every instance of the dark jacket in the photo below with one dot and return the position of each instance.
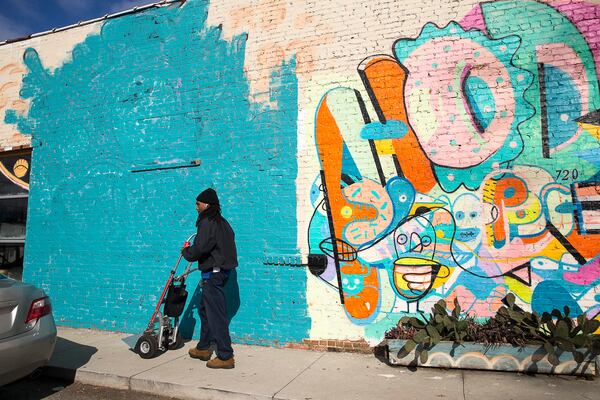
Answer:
(214, 245)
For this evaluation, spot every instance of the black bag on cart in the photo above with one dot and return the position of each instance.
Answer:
(175, 300)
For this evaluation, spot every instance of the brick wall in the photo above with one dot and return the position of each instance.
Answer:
(159, 89)
(450, 148)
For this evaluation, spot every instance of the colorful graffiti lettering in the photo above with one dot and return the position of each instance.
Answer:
(479, 175)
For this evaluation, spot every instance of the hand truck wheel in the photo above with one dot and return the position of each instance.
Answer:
(147, 346)
(177, 344)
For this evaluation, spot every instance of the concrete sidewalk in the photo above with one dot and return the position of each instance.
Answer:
(104, 359)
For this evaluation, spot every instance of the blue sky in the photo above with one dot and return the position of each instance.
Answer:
(21, 17)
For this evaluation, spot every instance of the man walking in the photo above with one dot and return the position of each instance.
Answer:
(214, 249)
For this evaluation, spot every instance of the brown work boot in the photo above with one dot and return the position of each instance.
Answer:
(203, 355)
(218, 363)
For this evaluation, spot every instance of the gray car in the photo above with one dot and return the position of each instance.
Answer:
(27, 330)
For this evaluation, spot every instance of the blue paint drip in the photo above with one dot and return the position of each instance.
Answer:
(10, 117)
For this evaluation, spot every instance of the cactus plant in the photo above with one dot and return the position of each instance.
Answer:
(439, 326)
(555, 331)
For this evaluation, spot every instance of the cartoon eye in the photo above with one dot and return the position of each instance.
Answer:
(345, 281)
(402, 239)
(356, 281)
(460, 215)
(473, 214)
(403, 198)
(425, 241)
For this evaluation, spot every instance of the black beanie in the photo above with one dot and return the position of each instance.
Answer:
(209, 196)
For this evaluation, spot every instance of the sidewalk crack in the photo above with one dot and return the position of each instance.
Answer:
(296, 377)
(462, 374)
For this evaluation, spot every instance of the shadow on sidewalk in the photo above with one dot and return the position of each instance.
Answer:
(70, 356)
(381, 352)
(45, 383)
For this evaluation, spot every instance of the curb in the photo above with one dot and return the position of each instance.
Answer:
(189, 392)
(89, 377)
(158, 388)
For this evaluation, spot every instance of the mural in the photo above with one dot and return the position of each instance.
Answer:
(477, 174)
(457, 161)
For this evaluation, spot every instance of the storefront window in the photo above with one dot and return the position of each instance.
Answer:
(14, 191)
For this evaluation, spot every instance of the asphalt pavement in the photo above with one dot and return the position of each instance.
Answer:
(45, 387)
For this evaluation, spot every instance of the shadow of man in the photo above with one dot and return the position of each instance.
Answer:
(191, 315)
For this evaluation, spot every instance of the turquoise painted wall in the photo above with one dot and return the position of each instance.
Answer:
(159, 88)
